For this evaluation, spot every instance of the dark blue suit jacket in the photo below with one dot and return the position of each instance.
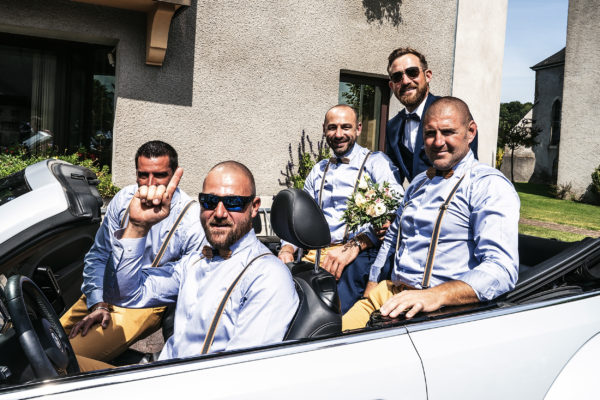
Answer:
(393, 136)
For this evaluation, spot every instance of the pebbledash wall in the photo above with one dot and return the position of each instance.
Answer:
(242, 79)
(579, 152)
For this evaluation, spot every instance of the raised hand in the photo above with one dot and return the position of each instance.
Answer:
(150, 205)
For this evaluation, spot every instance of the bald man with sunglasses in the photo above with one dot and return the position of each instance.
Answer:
(97, 329)
(232, 294)
(409, 81)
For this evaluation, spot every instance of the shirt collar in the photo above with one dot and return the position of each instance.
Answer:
(246, 241)
(353, 152)
(460, 168)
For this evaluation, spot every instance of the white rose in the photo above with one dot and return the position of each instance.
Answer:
(359, 199)
(380, 209)
(371, 211)
(363, 183)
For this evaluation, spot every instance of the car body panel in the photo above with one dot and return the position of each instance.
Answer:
(19, 215)
(578, 380)
(372, 365)
(504, 354)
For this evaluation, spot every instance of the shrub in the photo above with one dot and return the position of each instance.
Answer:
(563, 191)
(15, 159)
(294, 178)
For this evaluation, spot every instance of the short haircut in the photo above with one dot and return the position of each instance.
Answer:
(230, 164)
(343, 106)
(399, 52)
(461, 107)
(157, 148)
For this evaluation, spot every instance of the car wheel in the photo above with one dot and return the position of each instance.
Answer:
(40, 333)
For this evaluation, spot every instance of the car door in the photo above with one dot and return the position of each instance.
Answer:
(368, 365)
(511, 353)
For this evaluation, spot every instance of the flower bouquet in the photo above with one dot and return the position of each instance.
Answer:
(373, 203)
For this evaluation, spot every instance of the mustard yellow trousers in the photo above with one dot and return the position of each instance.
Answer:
(358, 315)
(126, 326)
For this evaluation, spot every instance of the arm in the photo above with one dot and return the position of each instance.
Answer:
(271, 303)
(125, 282)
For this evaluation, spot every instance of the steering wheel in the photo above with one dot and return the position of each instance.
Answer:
(41, 335)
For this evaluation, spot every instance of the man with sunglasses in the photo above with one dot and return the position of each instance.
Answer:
(455, 237)
(235, 288)
(409, 81)
(331, 183)
(97, 329)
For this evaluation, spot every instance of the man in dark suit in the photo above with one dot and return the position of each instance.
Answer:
(409, 80)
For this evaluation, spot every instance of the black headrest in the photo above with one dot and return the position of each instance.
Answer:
(296, 218)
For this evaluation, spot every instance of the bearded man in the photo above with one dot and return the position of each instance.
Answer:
(409, 80)
(236, 275)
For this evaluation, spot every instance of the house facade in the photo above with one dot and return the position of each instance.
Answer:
(230, 80)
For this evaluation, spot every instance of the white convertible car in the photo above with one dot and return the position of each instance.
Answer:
(539, 341)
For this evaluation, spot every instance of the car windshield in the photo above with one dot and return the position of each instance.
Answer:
(13, 186)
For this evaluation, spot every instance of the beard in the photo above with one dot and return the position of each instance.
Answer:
(411, 101)
(223, 240)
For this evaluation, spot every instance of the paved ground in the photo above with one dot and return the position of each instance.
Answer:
(560, 227)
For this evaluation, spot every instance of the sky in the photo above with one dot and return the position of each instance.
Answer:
(535, 29)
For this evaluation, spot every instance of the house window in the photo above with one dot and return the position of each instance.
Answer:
(56, 96)
(369, 96)
(555, 125)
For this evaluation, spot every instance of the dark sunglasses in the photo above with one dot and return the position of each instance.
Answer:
(231, 203)
(411, 72)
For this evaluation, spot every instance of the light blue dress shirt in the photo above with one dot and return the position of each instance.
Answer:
(478, 241)
(339, 186)
(258, 312)
(188, 238)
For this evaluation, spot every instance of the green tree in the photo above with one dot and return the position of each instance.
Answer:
(523, 134)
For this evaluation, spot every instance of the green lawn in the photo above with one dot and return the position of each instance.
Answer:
(537, 203)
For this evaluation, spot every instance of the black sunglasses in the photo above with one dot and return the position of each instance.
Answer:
(411, 72)
(231, 203)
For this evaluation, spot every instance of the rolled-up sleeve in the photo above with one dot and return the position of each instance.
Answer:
(494, 221)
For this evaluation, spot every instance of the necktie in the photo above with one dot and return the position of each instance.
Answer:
(209, 253)
(431, 172)
(339, 160)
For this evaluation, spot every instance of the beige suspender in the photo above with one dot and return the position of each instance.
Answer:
(360, 171)
(163, 248)
(210, 335)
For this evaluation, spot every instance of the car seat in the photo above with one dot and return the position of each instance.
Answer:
(296, 218)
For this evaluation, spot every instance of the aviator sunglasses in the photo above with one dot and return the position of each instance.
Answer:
(411, 72)
(231, 203)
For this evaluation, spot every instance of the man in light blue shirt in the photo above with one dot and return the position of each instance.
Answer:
(262, 302)
(331, 183)
(107, 331)
(475, 256)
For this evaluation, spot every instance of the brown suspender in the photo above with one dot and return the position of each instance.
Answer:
(210, 335)
(163, 248)
(436, 235)
(360, 171)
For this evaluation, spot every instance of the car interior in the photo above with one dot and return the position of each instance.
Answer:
(41, 277)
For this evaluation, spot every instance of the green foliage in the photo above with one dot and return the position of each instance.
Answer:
(596, 180)
(499, 157)
(524, 134)
(563, 191)
(295, 175)
(15, 159)
(372, 203)
(510, 115)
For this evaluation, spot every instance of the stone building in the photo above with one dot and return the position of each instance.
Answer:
(230, 80)
(549, 76)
